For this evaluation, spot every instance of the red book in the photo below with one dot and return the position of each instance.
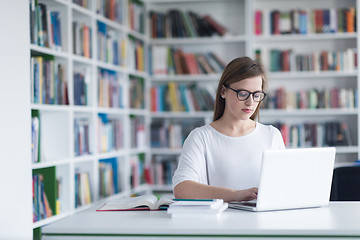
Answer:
(258, 22)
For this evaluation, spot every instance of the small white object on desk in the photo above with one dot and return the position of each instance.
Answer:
(196, 208)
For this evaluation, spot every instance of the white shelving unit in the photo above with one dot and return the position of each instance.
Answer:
(57, 136)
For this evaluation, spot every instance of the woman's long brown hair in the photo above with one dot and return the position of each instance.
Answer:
(238, 69)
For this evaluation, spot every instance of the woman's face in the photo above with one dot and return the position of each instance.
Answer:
(241, 110)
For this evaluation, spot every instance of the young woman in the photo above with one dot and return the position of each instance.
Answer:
(223, 159)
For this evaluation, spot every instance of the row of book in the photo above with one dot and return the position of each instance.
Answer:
(137, 132)
(286, 60)
(332, 133)
(110, 90)
(46, 197)
(45, 26)
(110, 132)
(136, 54)
(41, 205)
(111, 45)
(108, 177)
(82, 40)
(82, 136)
(136, 92)
(48, 81)
(181, 97)
(136, 15)
(81, 85)
(111, 9)
(162, 169)
(309, 21)
(311, 99)
(82, 3)
(137, 170)
(180, 24)
(171, 61)
(171, 134)
(83, 194)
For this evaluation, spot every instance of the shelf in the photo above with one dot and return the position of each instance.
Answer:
(49, 51)
(181, 114)
(111, 154)
(82, 10)
(203, 40)
(310, 75)
(347, 149)
(111, 23)
(307, 112)
(187, 78)
(49, 107)
(305, 37)
(165, 151)
(46, 164)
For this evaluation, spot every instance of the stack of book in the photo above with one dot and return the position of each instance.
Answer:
(195, 208)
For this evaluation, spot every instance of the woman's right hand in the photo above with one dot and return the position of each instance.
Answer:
(246, 194)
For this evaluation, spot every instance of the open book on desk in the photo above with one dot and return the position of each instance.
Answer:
(144, 202)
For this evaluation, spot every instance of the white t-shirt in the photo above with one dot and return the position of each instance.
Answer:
(233, 162)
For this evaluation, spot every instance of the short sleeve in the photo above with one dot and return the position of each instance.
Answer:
(277, 139)
(191, 164)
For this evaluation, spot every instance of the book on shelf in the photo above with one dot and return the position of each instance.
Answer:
(177, 23)
(287, 60)
(306, 21)
(111, 9)
(162, 169)
(108, 177)
(48, 80)
(137, 170)
(136, 53)
(82, 3)
(82, 135)
(44, 188)
(144, 202)
(41, 207)
(310, 134)
(83, 194)
(137, 131)
(82, 39)
(136, 92)
(111, 45)
(333, 98)
(172, 61)
(136, 15)
(82, 80)
(110, 89)
(35, 136)
(45, 26)
(182, 98)
(110, 132)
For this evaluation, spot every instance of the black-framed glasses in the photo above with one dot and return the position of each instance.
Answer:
(243, 94)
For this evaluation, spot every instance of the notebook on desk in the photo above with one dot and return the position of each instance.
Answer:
(293, 178)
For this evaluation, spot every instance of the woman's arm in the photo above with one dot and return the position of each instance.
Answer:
(195, 190)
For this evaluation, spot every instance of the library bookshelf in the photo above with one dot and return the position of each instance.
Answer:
(87, 136)
(327, 28)
(88, 104)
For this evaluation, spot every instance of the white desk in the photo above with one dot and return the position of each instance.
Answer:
(338, 220)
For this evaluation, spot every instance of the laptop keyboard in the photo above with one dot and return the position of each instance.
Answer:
(251, 204)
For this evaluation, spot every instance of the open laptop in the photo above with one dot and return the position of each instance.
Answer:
(293, 178)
